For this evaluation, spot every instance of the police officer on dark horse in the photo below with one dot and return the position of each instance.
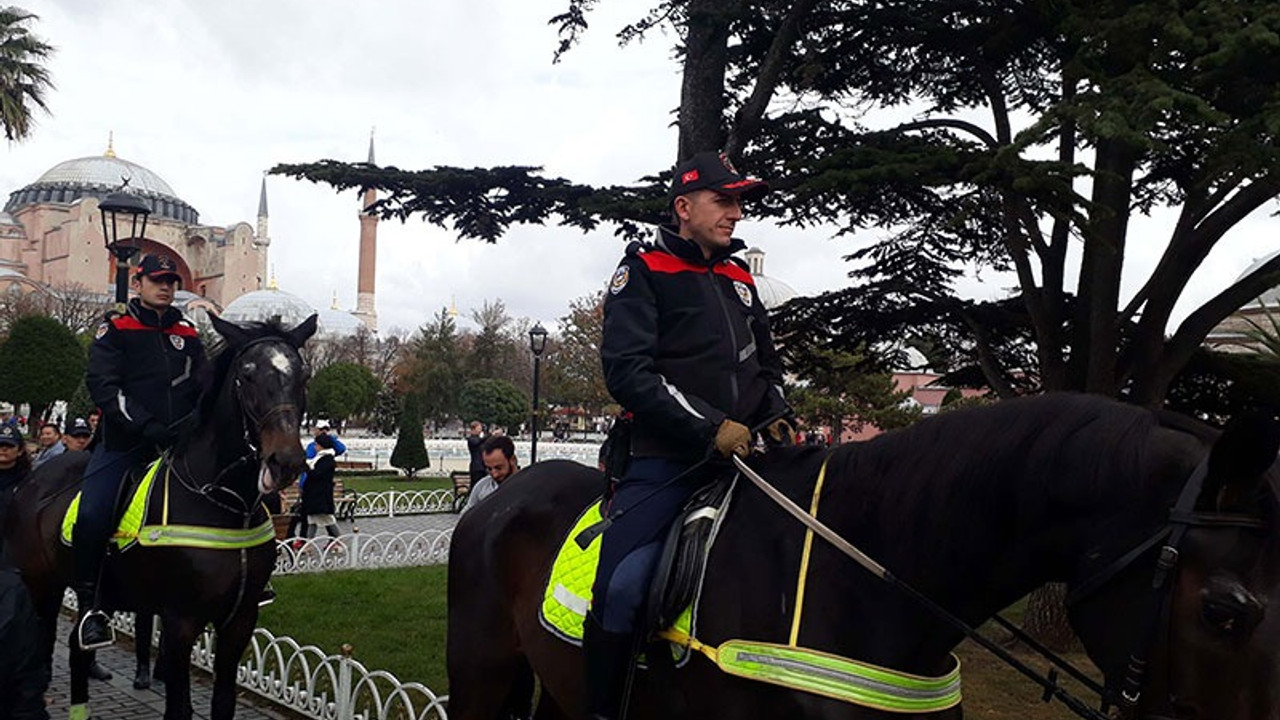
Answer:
(144, 371)
(687, 350)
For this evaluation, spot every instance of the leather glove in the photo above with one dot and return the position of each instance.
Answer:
(780, 432)
(733, 438)
(157, 433)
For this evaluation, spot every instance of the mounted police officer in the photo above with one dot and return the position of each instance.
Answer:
(687, 350)
(143, 370)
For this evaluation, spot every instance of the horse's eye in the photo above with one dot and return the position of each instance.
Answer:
(1229, 608)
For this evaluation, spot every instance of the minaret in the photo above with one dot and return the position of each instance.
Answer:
(366, 308)
(262, 240)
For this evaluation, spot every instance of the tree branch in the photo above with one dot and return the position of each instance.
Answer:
(952, 124)
(747, 123)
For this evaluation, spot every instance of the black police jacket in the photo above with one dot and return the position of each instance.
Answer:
(143, 367)
(686, 345)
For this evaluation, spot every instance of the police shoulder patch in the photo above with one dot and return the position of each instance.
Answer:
(620, 279)
(103, 327)
(744, 292)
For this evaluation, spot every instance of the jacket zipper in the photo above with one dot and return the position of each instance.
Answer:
(733, 336)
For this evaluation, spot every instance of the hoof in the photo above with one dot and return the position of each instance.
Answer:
(141, 681)
(98, 672)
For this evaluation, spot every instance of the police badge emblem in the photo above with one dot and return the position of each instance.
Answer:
(744, 292)
(620, 279)
(177, 341)
(102, 330)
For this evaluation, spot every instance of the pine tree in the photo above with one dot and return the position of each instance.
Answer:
(410, 452)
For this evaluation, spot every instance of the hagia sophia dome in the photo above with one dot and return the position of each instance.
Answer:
(98, 175)
(773, 292)
(265, 305)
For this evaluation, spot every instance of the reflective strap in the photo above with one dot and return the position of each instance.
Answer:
(804, 556)
(206, 537)
(829, 675)
(570, 600)
(840, 678)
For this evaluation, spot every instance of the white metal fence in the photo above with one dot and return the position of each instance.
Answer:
(362, 551)
(390, 503)
(307, 680)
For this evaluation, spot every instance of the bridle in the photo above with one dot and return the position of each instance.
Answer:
(252, 434)
(1182, 518)
(1168, 539)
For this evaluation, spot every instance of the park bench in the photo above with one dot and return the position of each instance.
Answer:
(461, 488)
(344, 500)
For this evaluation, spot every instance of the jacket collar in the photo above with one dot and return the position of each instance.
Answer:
(151, 318)
(669, 239)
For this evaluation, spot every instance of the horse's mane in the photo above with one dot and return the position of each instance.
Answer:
(1018, 460)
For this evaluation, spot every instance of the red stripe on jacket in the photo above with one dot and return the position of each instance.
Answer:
(129, 322)
(663, 263)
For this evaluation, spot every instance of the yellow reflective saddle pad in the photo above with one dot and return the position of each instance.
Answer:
(567, 596)
(127, 531)
(131, 529)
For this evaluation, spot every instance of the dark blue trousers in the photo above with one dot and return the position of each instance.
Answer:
(102, 479)
(631, 546)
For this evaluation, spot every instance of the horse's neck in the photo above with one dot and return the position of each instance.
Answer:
(974, 567)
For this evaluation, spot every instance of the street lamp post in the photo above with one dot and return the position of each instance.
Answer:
(537, 343)
(123, 203)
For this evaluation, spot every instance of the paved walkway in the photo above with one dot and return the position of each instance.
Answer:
(116, 699)
(402, 523)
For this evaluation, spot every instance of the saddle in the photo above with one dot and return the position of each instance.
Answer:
(673, 593)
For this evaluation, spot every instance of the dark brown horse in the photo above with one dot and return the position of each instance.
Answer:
(974, 509)
(245, 443)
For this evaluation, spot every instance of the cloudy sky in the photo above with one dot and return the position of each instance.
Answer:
(210, 94)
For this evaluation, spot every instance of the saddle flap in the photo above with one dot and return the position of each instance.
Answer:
(684, 556)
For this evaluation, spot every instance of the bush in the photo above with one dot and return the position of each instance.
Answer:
(410, 452)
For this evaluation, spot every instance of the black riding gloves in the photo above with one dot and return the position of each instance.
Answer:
(158, 433)
(733, 438)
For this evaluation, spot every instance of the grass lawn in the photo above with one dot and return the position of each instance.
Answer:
(382, 483)
(396, 620)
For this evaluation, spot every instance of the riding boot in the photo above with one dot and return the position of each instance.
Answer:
(93, 627)
(608, 660)
(98, 671)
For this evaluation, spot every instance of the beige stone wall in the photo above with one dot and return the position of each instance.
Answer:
(63, 246)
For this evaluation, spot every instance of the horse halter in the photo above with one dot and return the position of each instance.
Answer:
(1182, 518)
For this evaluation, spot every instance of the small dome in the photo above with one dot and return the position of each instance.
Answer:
(96, 176)
(263, 305)
(1270, 298)
(339, 323)
(773, 293)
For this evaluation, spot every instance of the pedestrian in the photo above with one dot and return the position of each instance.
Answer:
(24, 675)
(78, 435)
(15, 465)
(317, 494)
(499, 456)
(475, 439)
(143, 369)
(324, 428)
(687, 349)
(50, 439)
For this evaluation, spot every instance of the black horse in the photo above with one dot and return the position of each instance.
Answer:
(975, 509)
(245, 443)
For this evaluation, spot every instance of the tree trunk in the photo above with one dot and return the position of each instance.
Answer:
(702, 91)
(1046, 618)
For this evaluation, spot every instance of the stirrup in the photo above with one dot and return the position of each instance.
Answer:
(106, 622)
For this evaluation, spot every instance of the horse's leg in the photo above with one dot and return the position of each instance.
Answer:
(178, 636)
(482, 672)
(233, 638)
(80, 661)
(144, 627)
(519, 701)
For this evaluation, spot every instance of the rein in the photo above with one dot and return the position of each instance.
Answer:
(1182, 517)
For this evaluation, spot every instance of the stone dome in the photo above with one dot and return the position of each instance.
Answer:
(263, 305)
(772, 291)
(96, 176)
(338, 323)
(1270, 298)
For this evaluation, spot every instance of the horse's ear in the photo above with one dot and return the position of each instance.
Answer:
(232, 333)
(1238, 461)
(305, 329)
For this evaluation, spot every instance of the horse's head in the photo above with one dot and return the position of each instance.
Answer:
(1202, 639)
(267, 379)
